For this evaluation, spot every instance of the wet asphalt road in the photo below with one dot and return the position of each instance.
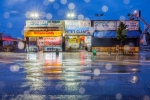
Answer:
(74, 76)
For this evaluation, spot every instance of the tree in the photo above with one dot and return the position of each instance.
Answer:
(121, 32)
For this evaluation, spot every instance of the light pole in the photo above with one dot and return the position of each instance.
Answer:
(71, 15)
(34, 15)
(99, 15)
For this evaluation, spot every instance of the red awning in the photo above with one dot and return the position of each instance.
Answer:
(8, 39)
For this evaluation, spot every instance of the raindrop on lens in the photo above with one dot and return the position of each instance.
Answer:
(96, 72)
(104, 8)
(108, 66)
(71, 6)
(21, 45)
(6, 15)
(82, 90)
(80, 17)
(122, 18)
(56, 5)
(49, 16)
(14, 68)
(45, 2)
(126, 1)
(118, 96)
(146, 97)
(63, 1)
(9, 25)
(87, 1)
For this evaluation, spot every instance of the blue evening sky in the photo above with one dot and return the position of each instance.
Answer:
(14, 13)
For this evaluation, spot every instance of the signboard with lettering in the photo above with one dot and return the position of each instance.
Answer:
(104, 25)
(131, 25)
(42, 33)
(77, 27)
(43, 23)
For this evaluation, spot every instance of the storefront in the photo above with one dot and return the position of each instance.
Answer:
(78, 35)
(44, 40)
(44, 35)
(104, 38)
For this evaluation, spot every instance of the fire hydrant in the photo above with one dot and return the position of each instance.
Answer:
(94, 52)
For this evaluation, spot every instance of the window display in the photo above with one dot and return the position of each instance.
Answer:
(78, 42)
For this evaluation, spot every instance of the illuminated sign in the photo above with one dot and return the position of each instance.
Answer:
(43, 23)
(42, 33)
(77, 24)
(104, 25)
(131, 25)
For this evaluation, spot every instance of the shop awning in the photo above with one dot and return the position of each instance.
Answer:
(133, 34)
(112, 34)
(105, 34)
(7, 39)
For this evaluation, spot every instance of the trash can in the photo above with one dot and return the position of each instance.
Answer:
(57, 52)
(94, 52)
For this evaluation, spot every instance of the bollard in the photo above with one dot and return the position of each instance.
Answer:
(57, 52)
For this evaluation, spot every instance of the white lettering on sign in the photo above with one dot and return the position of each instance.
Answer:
(77, 24)
(105, 25)
(131, 25)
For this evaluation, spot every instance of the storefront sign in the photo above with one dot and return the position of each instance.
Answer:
(131, 25)
(104, 25)
(43, 23)
(77, 24)
(42, 33)
(78, 32)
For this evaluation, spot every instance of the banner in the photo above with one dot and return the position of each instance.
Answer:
(131, 25)
(43, 23)
(42, 33)
(104, 25)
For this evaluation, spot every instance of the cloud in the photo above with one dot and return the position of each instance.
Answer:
(14, 12)
(12, 2)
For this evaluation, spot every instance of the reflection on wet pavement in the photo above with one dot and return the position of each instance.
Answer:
(74, 76)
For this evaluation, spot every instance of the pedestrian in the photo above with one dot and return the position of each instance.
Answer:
(26, 48)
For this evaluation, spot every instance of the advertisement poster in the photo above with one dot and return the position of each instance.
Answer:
(104, 25)
(52, 41)
(131, 25)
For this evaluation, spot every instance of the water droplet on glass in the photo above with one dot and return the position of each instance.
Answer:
(108, 66)
(14, 68)
(87, 1)
(71, 6)
(104, 8)
(80, 17)
(118, 96)
(56, 6)
(63, 1)
(49, 16)
(122, 18)
(96, 72)
(126, 1)
(6, 15)
(82, 90)
(21, 45)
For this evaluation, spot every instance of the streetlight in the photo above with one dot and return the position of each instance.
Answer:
(99, 15)
(71, 15)
(34, 15)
